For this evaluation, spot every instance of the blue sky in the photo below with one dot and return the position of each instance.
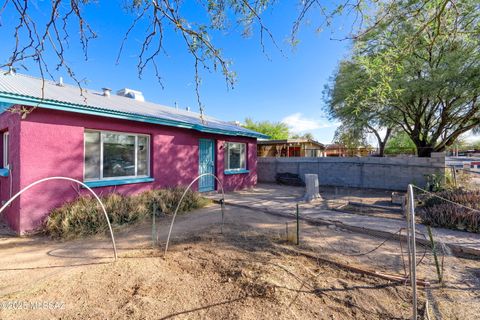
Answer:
(284, 87)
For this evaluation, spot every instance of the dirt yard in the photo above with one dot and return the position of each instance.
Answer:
(248, 272)
(370, 202)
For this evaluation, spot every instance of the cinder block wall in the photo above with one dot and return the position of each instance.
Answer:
(368, 172)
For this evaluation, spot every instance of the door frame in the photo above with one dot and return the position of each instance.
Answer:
(214, 165)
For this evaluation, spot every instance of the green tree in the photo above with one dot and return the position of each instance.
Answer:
(350, 137)
(275, 130)
(474, 144)
(423, 72)
(59, 25)
(347, 100)
(400, 143)
(307, 135)
(462, 144)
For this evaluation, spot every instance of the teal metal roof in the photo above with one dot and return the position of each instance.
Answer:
(27, 90)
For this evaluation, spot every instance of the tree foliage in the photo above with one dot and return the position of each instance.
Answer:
(462, 144)
(306, 135)
(350, 137)
(400, 143)
(65, 21)
(275, 130)
(346, 98)
(416, 61)
(423, 71)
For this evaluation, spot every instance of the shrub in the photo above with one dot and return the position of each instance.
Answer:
(167, 200)
(440, 213)
(84, 217)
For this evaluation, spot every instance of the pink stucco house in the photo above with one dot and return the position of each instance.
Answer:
(112, 142)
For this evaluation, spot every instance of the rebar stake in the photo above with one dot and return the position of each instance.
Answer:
(222, 207)
(435, 257)
(298, 227)
(154, 229)
(286, 232)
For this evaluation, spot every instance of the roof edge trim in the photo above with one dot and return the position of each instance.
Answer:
(84, 109)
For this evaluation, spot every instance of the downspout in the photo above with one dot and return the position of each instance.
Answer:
(10, 178)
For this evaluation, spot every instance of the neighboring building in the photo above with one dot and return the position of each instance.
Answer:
(290, 148)
(467, 153)
(474, 165)
(467, 163)
(114, 143)
(339, 150)
(335, 150)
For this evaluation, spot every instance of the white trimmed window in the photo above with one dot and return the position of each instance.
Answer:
(5, 150)
(113, 155)
(235, 156)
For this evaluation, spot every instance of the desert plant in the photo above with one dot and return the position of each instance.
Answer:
(83, 217)
(435, 182)
(450, 209)
(469, 198)
(167, 200)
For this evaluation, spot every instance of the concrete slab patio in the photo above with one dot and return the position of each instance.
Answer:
(282, 200)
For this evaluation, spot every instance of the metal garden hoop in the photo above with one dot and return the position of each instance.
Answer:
(73, 180)
(183, 196)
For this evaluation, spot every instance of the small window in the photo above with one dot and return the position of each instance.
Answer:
(235, 156)
(6, 163)
(110, 155)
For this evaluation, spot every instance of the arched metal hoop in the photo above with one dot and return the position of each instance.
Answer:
(183, 196)
(73, 180)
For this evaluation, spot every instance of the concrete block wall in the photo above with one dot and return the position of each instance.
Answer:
(369, 172)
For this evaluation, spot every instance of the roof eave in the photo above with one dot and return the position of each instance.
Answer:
(6, 97)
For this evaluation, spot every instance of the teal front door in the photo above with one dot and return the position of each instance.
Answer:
(206, 165)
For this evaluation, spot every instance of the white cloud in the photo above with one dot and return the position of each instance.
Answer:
(469, 136)
(298, 123)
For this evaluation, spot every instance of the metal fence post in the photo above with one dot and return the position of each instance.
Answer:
(454, 176)
(412, 248)
(298, 226)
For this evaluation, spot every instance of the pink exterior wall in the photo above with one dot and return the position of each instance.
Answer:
(237, 181)
(11, 122)
(50, 143)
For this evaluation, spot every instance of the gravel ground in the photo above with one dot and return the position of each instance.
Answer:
(248, 272)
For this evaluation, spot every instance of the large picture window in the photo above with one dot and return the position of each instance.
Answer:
(235, 156)
(110, 155)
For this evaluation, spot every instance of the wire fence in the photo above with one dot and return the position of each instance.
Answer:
(450, 221)
(426, 252)
(446, 254)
